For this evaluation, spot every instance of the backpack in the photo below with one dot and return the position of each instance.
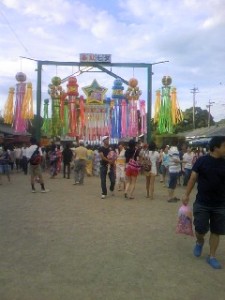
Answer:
(35, 157)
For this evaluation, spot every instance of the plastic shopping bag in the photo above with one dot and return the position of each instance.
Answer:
(184, 224)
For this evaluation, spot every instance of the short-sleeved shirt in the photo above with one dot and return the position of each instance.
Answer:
(30, 150)
(105, 152)
(81, 153)
(211, 181)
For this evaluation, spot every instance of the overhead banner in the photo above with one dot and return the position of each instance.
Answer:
(98, 58)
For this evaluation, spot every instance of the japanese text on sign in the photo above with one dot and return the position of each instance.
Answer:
(91, 57)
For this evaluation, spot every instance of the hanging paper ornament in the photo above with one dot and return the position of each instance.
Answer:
(8, 110)
(157, 106)
(95, 93)
(46, 127)
(55, 91)
(65, 128)
(19, 123)
(117, 89)
(133, 92)
(167, 111)
(143, 117)
(72, 92)
(177, 115)
(27, 105)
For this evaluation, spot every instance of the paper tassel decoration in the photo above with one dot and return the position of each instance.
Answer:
(46, 131)
(27, 105)
(55, 91)
(177, 115)
(132, 94)
(72, 92)
(65, 128)
(167, 111)
(20, 123)
(117, 96)
(8, 110)
(143, 117)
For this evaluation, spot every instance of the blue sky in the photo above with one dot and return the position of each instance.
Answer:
(188, 33)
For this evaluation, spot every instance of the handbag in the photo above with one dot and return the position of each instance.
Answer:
(35, 158)
(133, 164)
(146, 164)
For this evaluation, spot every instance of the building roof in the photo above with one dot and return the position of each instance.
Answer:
(8, 130)
(217, 130)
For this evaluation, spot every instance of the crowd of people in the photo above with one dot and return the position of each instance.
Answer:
(169, 163)
(123, 163)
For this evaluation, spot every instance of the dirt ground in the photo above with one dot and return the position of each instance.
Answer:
(71, 245)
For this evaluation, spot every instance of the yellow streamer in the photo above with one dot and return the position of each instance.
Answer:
(8, 109)
(27, 104)
(177, 115)
(157, 106)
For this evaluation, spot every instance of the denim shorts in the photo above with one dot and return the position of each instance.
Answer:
(209, 218)
(173, 180)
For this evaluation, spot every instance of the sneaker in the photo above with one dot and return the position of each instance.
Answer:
(213, 262)
(33, 191)
(103, 196)
(198, 250)
(172, 200)
(44, 191)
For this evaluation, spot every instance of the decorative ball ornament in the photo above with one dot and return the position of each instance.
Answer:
(72, 87)
(166, 80)
(21, 77)
(72, 81)
(56, 80)
(133, 82)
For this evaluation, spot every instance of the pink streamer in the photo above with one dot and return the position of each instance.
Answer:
(19, 123)
(143, 117)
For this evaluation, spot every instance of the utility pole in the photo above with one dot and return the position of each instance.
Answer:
(194, 91)
(208, 106)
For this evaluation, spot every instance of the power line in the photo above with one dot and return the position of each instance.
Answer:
(14, 32)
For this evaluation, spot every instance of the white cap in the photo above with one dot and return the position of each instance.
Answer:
(105, 137)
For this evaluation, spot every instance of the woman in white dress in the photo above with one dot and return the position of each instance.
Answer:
(152, 156)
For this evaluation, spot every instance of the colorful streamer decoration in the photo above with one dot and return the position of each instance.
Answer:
(20, 124)
(143, 117)
(8, 110)
(27, 105)
(116, 108)
(167, 111)
(132, 94)
(47, 122)
(55, 91)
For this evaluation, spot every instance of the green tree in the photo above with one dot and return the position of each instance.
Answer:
(201, 119)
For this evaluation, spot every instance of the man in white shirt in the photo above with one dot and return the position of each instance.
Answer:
(187, 163)
(18, 157)
(35, 169)
(174, 169)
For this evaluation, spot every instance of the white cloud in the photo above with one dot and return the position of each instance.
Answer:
(184, 32)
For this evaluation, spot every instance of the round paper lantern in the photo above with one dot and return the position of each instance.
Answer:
(133, 82)
(56, 80)
(166, 80)
(21, 77)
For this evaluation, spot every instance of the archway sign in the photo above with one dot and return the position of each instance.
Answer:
(101, 62)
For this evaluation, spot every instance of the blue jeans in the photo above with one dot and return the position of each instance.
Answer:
(187, 175)
(112, 178)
